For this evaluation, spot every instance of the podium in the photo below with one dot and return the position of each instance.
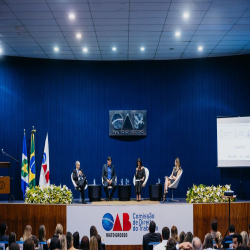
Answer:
(5, 181)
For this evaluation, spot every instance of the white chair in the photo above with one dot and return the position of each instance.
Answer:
(109, 187)
(174, 185)
(75, 186)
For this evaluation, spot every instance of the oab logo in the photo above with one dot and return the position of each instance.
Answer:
(109, 224)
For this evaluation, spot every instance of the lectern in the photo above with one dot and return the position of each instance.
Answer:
(5, 181)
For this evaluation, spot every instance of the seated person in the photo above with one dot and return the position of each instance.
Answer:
(214, 226)
(139, 177)
(237, 240)
(151, 236)
(231, 232)
(109, 176)
(80, 180)
(3, 229)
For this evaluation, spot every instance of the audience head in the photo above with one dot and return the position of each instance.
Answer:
(76, 238)
(84, 243)
(171, 243)
(34, 238)
(182, 237)
(174, 233)
(231, 229)
(214, 225)
(93, 231)
(237, 240)
(28, 244)
(152, 226)
(63, 242)
(55, 243)
(12, 238)
(99, 241)
(93, 244)
(27, 232)
(14, 246)
(196, 242)
(3, 228)
(208, 241)
(59, 229)
(69, 238)
(244, 238)
(165, 233)
(42, 233)
(188, 237)
(218, 239)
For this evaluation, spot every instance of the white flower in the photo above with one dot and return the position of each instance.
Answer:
(227, 187)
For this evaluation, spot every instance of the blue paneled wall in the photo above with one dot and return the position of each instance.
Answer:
(71, 101)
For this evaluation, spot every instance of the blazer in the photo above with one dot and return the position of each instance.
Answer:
(105, 172)
(75, 176)
(150, 237)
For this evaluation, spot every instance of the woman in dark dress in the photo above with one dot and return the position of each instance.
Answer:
(169, 180)
(139, 179)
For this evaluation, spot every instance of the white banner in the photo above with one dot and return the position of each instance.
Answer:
(126, 225)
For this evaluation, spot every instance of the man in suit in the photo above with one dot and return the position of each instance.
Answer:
(151, 236)
(231, 231)
(109, 176)
(80, 180)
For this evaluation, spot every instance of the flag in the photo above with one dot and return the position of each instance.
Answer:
(32, 172)
(25, 168)
(44, 174)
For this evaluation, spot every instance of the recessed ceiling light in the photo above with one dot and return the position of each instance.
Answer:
(177, 33)
(186, 15)
(78, 35)
(114, 48)
(142, 48)
(56, 49)
(200, 48)
(85, 50)
(72, 16)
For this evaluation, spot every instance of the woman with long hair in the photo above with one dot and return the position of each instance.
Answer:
(244, 238)
(174, 233)
(93, 244)
(63, 242)
(208, 244)
(139, 178)
(169, 180)
(12, 239)
(42, 233)
(84, 243)
(26, 233)
(218, 240)
(76, 238)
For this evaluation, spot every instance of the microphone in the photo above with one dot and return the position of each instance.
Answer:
(2, 150)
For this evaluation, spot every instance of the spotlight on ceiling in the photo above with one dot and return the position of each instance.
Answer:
(56, 49)
(72, 16)
(85, 50)
(186, 15)
(114, 48)
(78, 35)
(177, 33)
(142, 48)
(200, 48)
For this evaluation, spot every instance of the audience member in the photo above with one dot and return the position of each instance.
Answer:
(237, 240)
(14, 246)
(93, 231)
(218, 240)
(214, 226)
(3, 230)
(34, 238)
(55, 243)
(58, 232)
(76, 238)
(63, 242)
(27, 233)
(70, 241)
(208, 243)
(42, 233)
(188, 237)
(151, 236)
(164, 237)
(84, 243)
(196, 243)
(99, 241)
(231, 232)
(171, 244)
(182, 237)
(248, 244)
(12, 239)
(244, 238)
(29, 244)
(174, 233)
(93, 244)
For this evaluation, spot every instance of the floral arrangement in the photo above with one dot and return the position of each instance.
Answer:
(49, 195)
(207, 194)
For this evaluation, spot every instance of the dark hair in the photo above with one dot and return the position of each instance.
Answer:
(182, 237)
(93, 231)
(165, 233)
(3, 228)
(152, 226)
(109, 158)
(76, 239)
(69, 238)
(239, 238)
(231, 228)
(84, 243)
(214, 225)
(249, 227)
(171, 243)
(188, 237)
(14, 246)
(99, 241)
(138, 160)
(208, 241)
(29, 244)
(12, 238)
(54, 243)
(42, 233)
(34, 238)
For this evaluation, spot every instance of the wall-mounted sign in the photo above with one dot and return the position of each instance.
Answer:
(127, 122)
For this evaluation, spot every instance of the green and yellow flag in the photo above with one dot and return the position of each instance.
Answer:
(32, 171)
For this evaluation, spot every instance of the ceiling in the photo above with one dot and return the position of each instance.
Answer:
(32, 28)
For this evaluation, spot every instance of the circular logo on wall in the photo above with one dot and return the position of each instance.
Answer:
(117, 121)
(2, 185)
(107, 222)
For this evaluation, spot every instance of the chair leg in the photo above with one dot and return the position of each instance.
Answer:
(172, 197)
(80, 199)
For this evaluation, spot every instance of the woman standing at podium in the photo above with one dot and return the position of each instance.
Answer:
(139, 179)
(169, 180)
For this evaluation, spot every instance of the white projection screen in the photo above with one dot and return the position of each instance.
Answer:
(233, 141)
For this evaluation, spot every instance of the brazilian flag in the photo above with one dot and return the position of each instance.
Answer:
(32, 171)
